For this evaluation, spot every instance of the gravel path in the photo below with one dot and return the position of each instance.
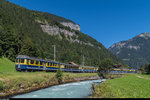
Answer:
(142, 77)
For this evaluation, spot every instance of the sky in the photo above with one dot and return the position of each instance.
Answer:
(107, 21)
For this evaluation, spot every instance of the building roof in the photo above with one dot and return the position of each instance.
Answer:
(72, 63)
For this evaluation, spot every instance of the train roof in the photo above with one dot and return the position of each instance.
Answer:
(70, 64)
(124, 69)
(90, 66)
(33, 58)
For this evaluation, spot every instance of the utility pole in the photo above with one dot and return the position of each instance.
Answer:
(83, 60)
(137, 66)
(54, 52)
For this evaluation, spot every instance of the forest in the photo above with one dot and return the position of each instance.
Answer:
(20, 34)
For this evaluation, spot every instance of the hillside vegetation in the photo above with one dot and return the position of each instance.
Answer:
(6, 65)
(20, 33)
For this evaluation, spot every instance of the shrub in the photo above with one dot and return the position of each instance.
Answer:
(1, 86)
(59, 75)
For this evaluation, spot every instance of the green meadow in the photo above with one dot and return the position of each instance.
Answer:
(129, 86)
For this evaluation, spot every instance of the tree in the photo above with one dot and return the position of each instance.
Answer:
(1, 51)
(147, 68)
(142, 69)
(105, 67)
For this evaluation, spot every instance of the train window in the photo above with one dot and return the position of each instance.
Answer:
(27, 61)
(31, 61)
(41, 62)
(21, 60)
(37, 62)
(17, 60)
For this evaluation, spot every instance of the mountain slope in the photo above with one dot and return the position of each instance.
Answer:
(34, 33)
(135, 52)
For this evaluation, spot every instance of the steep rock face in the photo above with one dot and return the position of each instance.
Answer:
(135, 52)
(71, 25)
(55, 30)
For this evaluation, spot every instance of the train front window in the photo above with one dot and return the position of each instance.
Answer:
(21, 60)
(17, 60)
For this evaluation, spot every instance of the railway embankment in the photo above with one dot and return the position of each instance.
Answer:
(18, 83)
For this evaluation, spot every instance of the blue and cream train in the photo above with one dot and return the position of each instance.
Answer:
(123, 70)
(26, 63)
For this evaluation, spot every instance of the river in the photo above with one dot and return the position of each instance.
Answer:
(68, 90)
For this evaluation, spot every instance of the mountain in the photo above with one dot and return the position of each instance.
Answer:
(134, 52)
(34, 33)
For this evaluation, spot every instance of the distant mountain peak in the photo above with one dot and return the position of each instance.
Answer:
(133, 50)
(145, 34)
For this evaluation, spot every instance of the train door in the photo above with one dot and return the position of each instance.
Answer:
(82, 70)
(44, 66)
(18, 63)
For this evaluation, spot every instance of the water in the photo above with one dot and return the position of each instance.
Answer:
(69, 90)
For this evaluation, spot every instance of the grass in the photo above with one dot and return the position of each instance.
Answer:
(6, 65)
(129, 86)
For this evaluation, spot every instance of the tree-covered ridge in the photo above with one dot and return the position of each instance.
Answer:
(20, 33)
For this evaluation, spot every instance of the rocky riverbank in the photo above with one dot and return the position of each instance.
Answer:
(34, 87)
